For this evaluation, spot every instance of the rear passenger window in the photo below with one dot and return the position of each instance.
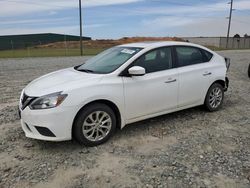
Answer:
(208, 55)
(189, 56)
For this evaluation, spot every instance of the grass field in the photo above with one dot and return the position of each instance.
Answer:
(46, 52)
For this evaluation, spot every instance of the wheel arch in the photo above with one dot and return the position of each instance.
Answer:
(109, 103)
(221, 82)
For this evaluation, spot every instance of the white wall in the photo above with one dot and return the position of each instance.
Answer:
(233, 43)
(206, 41)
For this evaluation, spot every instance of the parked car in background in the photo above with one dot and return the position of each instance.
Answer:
(122, 85)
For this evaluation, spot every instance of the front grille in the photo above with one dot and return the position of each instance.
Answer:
(26, 100)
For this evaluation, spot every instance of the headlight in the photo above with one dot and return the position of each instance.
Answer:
(48, 101)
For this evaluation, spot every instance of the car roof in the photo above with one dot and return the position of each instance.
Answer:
(155, 44)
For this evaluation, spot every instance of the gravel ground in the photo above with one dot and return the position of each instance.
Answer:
(190, 148)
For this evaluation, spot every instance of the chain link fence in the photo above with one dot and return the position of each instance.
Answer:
(36, 45)
(40, 48)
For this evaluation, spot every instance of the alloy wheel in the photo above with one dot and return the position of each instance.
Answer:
(215, 97)
(97, 126)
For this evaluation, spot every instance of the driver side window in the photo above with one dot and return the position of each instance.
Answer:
(156, 60)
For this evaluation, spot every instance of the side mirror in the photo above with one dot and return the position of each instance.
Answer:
(136, 71)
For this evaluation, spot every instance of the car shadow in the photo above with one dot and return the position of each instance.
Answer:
(174, 116)
(138, 128)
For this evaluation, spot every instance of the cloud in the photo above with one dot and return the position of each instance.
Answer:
(199, 9)
(242, 5)
(162, 25)
(185, 27)
(51, 13)
(167, 21)
(200, 20)
(160, 19)
(216, 27)
(94, 25)
(92, 3)
(59, 29)
(21, 7)
(38, 21)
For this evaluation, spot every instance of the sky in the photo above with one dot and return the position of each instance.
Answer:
(112, 19)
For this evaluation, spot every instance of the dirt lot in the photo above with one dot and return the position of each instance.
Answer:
(191, 148)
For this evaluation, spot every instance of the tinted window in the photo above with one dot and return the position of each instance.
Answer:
(150, 56)
(156, 60)
(208, 55)
(189, 56)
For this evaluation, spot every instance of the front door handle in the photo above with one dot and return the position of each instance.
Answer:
(207, 73)
(170, 81)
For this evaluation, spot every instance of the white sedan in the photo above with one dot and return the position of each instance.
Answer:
(122, 85)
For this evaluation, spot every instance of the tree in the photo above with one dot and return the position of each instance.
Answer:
(237, 36)
(246, 36)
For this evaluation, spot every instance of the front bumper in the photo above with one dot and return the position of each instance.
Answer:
(50, 124)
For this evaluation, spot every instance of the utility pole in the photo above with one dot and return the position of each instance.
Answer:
(229, 23)
(80, 15)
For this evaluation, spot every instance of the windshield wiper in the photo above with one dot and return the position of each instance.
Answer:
(85, 70)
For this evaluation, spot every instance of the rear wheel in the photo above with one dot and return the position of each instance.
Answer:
(94, 125)
(214, 97)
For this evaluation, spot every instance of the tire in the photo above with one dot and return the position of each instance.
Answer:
(94, 124)
(214, 98)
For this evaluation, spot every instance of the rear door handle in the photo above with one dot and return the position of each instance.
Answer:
(207, 73)
(170, 81)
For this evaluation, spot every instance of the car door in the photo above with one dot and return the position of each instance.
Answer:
(194, 75)
(154, 92)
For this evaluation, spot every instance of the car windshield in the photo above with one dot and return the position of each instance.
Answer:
(109, 60)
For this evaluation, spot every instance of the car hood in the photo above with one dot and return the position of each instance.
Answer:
(62, 80)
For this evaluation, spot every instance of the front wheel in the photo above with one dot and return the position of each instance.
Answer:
(214, 97)
(94, 124)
